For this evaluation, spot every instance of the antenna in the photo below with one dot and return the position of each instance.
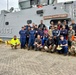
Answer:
(7, 5)
(54, 1)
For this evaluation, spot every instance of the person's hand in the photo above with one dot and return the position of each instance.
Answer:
(41, 36)
(54, 36)
(36, 43)
(61, 45)
(73, 46)
(36, 31)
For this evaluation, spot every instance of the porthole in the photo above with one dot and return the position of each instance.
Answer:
(6, 23)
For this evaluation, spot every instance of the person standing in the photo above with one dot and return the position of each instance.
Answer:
(22, 33)
(64, 32)
(36, 30)
(31, 38)
(42, 26)
(56, 34)
(59, 25)
(71, 33)
(27, 35)
(73, 26)
(28, 25)
(51, 24)
(66, 25)
(50, 30)
(41, 33)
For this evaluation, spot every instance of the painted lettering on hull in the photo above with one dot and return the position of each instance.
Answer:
(5, 30)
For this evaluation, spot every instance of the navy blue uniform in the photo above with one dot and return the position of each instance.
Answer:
(22, 38)
(64, 48)
(64, 33)
(31, 38)
(27, 27)
(41, 33)
(56, 32)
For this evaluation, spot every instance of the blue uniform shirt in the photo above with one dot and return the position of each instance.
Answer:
(27, 27)
(22, 33)
(41, 32)
(56, 32)
(63, 32)
(63, 42)
(32, 33)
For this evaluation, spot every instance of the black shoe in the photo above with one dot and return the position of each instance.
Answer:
(65, 54)
(24, 48)
(35, 49)
(28, 48)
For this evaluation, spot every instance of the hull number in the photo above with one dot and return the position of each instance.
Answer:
(5, 30)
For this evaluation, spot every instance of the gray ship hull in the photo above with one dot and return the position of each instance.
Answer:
(11, 23)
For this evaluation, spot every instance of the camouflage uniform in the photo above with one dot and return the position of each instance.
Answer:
(70, 34)
(73, 48)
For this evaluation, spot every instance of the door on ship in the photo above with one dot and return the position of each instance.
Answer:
(61, 20)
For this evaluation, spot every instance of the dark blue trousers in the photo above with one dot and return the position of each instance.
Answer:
(23, 42)
(31, 42)
(65, 49)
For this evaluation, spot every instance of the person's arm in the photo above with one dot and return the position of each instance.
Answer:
(66, 32)
(72, 46)
(19, 32)
(53, 33)
(46, 43)
(18, 42)
(75, 27)
(35, 42)
(40, 43)
(38, 32)
(59, 43)
(66, 44)
(39, 26)
(73, 32)
(73, 43)
(44, 25)
(34, 33)
(52, 42)
(58, 33)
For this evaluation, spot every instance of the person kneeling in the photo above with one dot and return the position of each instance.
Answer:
(38, 43)
(50, 46)
(15, 42)
(64, 46)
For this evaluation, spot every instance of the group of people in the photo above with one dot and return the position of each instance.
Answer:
(60, 38)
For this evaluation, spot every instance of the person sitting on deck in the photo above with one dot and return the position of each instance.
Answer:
(14, 42)
(50, 45)
(63, 43)
(72, 51)
(38, 43)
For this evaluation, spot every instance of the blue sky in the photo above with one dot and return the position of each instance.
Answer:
(14, 3)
